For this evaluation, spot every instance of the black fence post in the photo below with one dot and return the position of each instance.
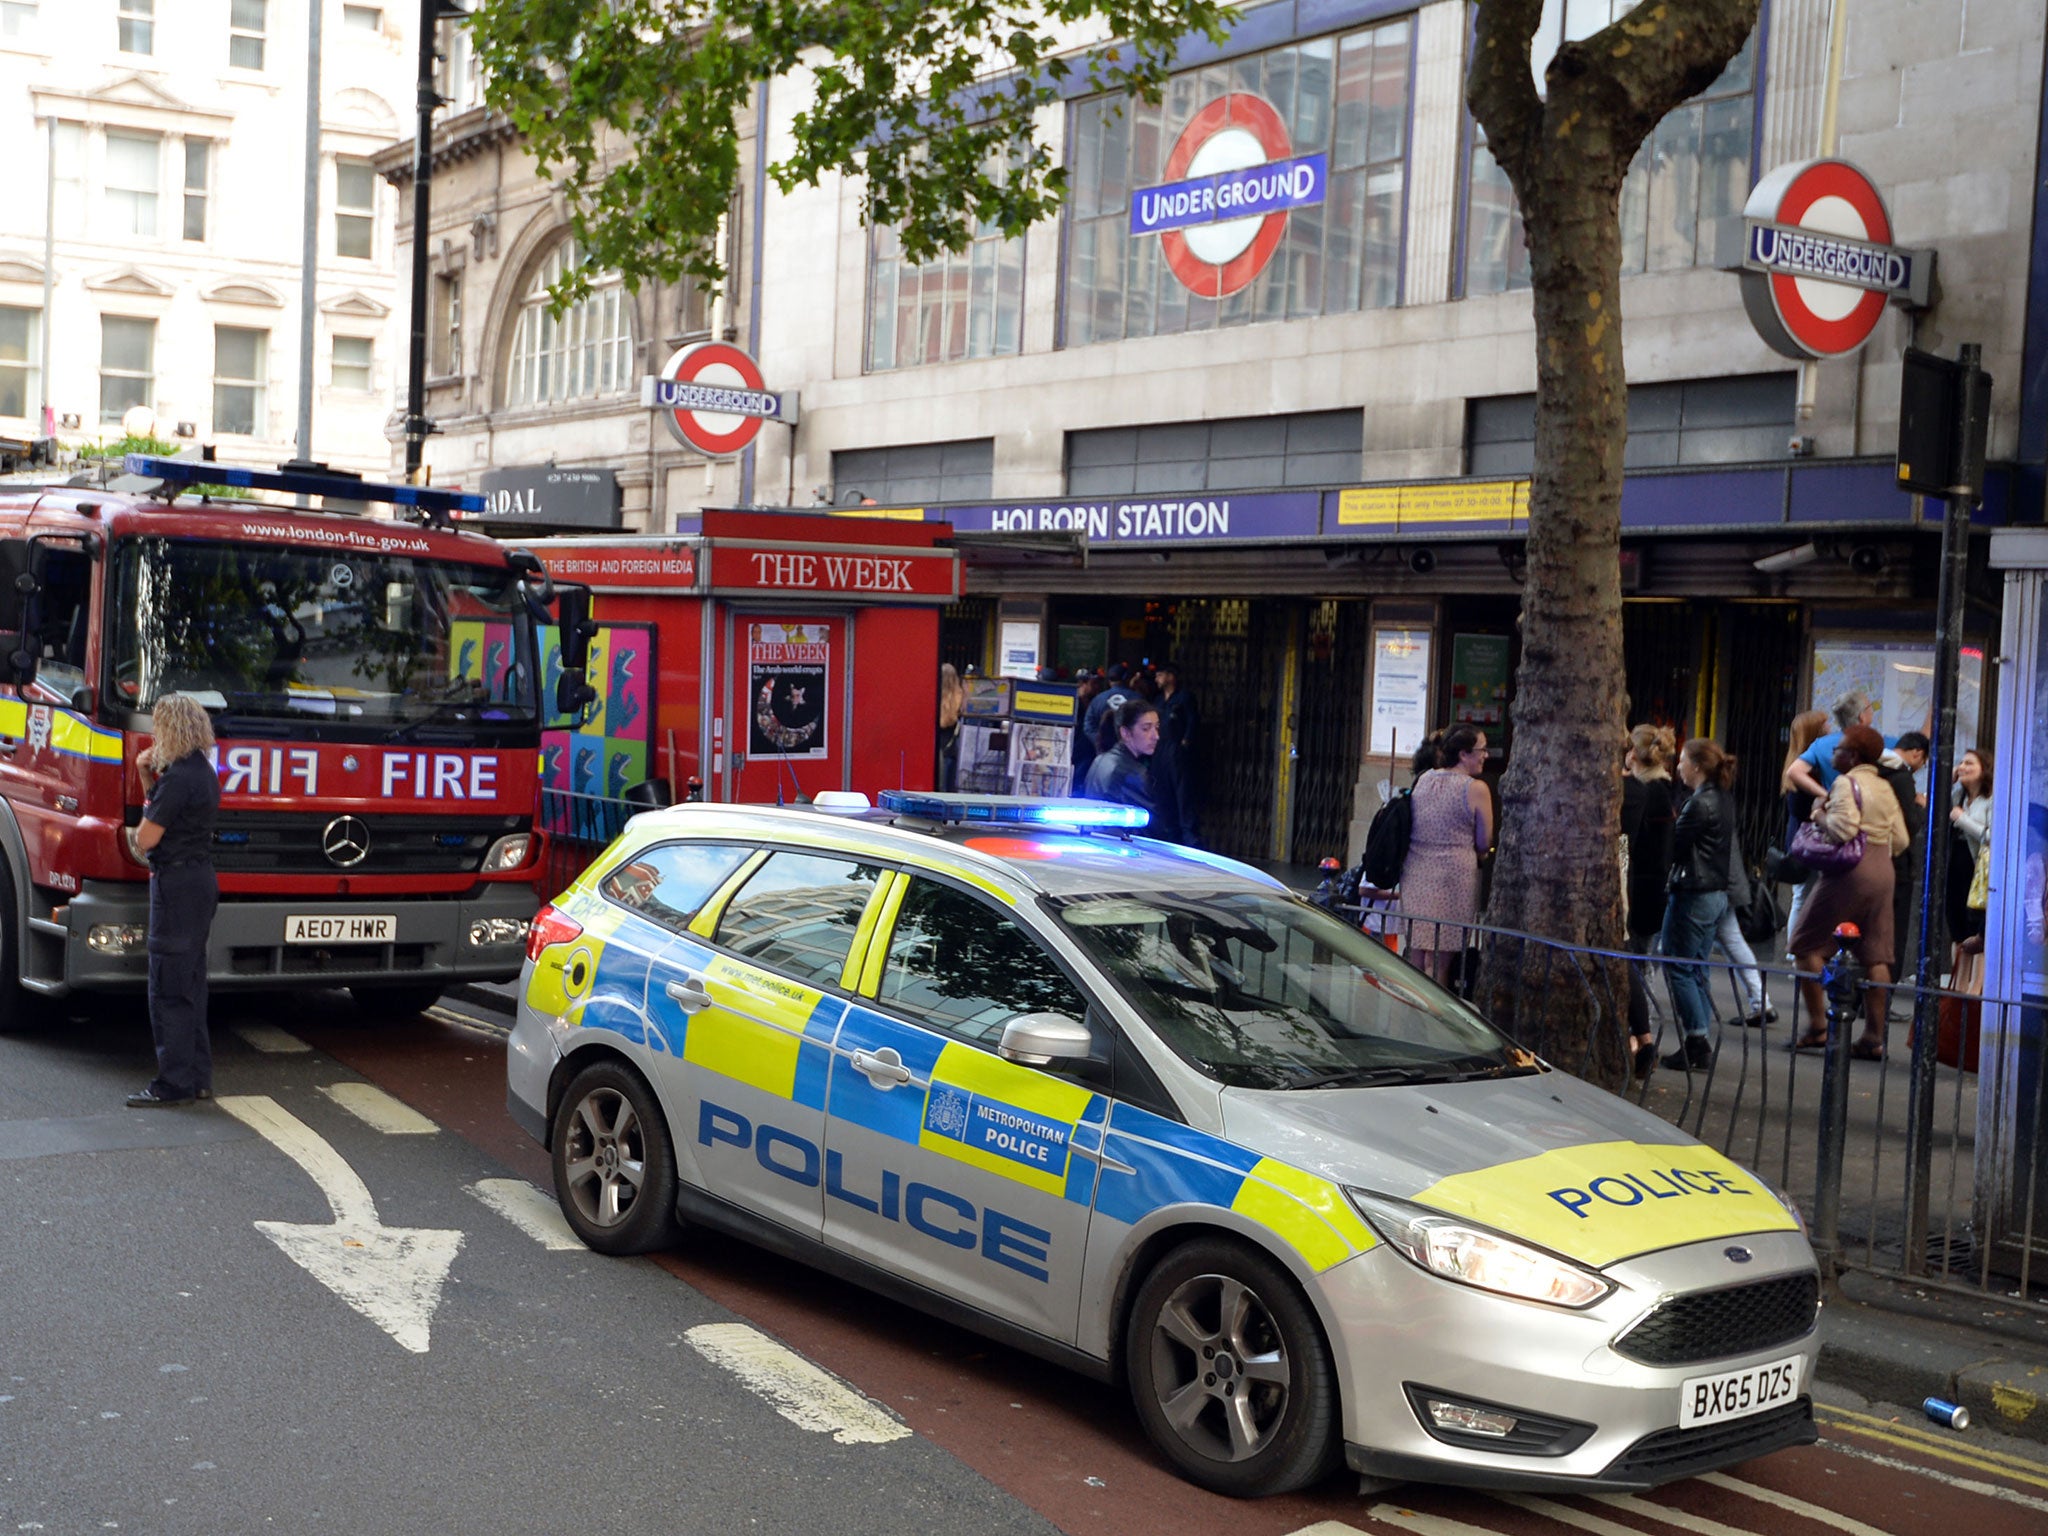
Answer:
(1843, 982)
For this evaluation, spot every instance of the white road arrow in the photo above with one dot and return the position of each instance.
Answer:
(392, 1275)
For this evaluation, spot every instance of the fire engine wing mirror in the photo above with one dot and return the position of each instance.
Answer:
(572, 693)
(1038, 1039)
(572, 605)
(21, 657)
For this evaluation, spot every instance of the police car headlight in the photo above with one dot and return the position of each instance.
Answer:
(507, 853)
(1478, 1256)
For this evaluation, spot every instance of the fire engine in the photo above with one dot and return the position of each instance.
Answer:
(375, 690)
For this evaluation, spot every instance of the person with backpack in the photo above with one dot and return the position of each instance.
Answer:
(1451, 814)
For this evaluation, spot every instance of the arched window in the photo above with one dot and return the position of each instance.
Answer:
(584, 352)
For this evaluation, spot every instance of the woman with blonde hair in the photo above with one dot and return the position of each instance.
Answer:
(181, 796)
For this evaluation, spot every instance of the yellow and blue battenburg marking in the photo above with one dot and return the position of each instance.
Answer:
(70, 734)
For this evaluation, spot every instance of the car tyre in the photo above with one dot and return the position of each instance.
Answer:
(615, 1170)
(401, 1002)
(20, 1009)
(1230, 1373)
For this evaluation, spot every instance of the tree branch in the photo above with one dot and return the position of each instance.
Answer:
(1499, 88)
(1649, 61)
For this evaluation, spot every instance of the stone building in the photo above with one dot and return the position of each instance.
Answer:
(177, 137)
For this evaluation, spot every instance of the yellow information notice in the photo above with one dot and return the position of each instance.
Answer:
(1455, 501)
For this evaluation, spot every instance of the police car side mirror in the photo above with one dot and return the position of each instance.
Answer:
(1038, 1039)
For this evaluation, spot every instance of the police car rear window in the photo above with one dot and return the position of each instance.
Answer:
(670, 883)
(1262, 991)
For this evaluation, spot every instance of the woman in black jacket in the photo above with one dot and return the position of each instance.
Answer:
(1122, 771)
(1700, 841)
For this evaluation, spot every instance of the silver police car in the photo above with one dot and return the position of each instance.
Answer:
(1138, 1109)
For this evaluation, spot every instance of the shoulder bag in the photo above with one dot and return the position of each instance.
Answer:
(1813, 847)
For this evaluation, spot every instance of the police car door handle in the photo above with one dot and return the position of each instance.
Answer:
(690, 994)
(883, 1068)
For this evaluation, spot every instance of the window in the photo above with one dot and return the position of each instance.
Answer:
(912, 475)
(127, 366)
(59, 613)
(797, 914)
(132, 179)
(1346, 97)
(693, 309)
(137, 24)
(245, 33)
(1739, 420)
(586, 351)
(20, 339)
(70, 210)
(198, 177)
(362, 18)
(461, 81)
(670, 884)
(238, 378)
(446, 361)
(958, 965)
(353, 356)
(17, 18)
(966, 304)
(355, 209)
(1690, 177)
(1315, 448)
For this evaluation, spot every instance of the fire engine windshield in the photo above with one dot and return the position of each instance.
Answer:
(362, 639)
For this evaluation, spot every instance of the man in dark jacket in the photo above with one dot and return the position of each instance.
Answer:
(1178, 722)
(1897, 768)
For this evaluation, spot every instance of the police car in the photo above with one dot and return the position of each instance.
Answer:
(1138, 1109)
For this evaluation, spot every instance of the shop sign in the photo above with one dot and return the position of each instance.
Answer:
(1180, 519)
(1818, 265)
(901, 574)
(549, 498)
(668, 565)
(1231, 181)
(713, 398)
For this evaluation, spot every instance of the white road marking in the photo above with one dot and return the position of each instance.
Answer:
(1328, 1528)
(1564, 1514)
(1790, 1505)
(270, 1039)
(1428, 1525)
(379, 1110)
(442, 1015)
(1967, 1484)
(529, 1210)
(799, 1390)
(1683, 1519)
(391, 1275)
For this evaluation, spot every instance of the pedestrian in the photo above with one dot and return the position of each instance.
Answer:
(1452, 829)
(1091, 685)
(1898, 765)
(1697, 894)
(1179, 721)
(952, 695)
(1653, 816)
(181, 793)
(1116, 689)
(1859, 801)
(1814, 769)
(1969, 821)
(1122, 773)
(1806, 729)
(1747, 977)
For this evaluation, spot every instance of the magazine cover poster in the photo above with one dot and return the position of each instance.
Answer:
(789, 667)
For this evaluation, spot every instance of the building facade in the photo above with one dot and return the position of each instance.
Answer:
(1297, 442)
(166, 143)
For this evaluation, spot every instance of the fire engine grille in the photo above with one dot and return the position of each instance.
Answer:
(293, 843)
(1714, 1325)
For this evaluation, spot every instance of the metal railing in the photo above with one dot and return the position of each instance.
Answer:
(1955, 1197)
(578, 828)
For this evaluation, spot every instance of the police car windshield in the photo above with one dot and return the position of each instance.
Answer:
(1263, 991)
(373, 639)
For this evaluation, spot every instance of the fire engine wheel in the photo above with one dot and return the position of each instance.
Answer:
(395, 1002)
(20, 1009)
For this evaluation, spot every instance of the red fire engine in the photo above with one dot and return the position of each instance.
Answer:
(375, 690)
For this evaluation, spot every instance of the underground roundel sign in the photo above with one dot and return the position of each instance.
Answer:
(713, 398)
(1231, 180)
(1818, 263)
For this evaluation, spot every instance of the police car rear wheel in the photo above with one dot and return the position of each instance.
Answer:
(615, 1172)
(1230, 1373)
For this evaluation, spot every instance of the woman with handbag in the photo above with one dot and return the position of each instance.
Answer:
(1969, 823)
(1850, 841)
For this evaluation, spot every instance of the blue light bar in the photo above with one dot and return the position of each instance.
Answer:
(1015, 810)
(301, 483)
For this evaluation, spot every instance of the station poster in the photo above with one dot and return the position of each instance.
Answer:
(789, 669)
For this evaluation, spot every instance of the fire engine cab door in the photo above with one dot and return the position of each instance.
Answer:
(46, 744)
(788, 698)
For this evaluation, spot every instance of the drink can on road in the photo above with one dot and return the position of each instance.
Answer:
(1951, 1415)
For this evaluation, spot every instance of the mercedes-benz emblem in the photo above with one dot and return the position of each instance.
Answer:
(1737, 1255)
(345, 841)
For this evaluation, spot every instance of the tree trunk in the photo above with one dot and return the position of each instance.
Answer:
(1558, 873)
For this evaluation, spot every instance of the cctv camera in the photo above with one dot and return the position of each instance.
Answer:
(1788, 559)
(1867, 560)
(1422, 561)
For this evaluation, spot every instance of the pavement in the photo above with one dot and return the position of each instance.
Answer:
(1888, 1341)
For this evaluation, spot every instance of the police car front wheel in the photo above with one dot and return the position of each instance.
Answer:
(615, 1171)
(1230, 1373)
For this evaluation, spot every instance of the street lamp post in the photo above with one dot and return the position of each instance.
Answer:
(417, 427)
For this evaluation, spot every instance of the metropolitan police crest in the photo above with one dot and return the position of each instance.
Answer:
(947, 1112)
